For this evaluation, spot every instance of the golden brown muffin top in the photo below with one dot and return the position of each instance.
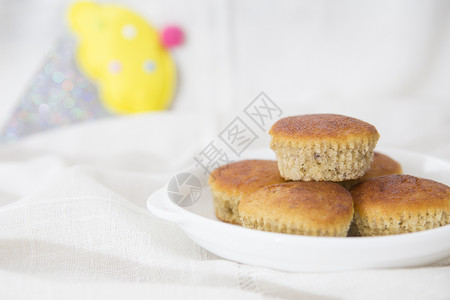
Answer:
(319, 126)
(310, 203)
(397, 194)
(245, 176)
(380, 166)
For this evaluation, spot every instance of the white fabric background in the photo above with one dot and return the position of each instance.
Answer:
(72, 219)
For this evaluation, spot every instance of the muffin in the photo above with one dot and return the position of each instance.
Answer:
(381, 165)
(323, 147)
(229, 183)
(396, 204)
(305, 208)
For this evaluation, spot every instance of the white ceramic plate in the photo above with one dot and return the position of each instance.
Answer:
(304, 253)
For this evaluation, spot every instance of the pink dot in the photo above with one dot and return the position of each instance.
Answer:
(172, 36)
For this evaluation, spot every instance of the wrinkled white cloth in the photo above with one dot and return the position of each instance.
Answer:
(73, 223)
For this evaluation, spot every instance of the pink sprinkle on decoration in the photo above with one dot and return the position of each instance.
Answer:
(172, 36)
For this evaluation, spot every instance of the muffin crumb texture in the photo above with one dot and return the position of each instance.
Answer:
(324, 161)
(323, 147)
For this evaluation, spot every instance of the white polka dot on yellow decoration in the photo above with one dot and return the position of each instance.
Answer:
(129, 31)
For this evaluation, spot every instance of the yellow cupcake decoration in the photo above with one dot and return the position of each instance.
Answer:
(125, 56)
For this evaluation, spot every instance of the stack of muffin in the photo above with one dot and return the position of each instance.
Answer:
(327, 177)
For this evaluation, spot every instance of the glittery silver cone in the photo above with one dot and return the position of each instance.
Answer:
(58, 95)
